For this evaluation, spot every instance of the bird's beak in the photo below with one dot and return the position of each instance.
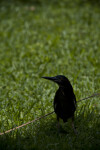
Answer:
(54, 79)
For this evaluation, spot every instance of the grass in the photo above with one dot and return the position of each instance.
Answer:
(46, 38)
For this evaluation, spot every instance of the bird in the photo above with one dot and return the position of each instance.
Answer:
(64, 100)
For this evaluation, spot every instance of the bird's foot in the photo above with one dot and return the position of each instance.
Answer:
(61, 130)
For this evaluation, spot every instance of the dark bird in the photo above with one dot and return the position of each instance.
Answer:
(64, 100)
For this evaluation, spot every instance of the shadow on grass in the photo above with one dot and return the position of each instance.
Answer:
(44, 135)
(54, 2)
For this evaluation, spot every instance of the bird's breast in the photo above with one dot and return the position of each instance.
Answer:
(64, 105)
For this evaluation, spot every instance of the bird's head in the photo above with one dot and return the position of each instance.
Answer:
(59, 79)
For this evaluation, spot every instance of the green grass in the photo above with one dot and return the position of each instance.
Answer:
(47, 38)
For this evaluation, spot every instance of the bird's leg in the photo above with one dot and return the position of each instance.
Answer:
(58, 125)
(75, 131)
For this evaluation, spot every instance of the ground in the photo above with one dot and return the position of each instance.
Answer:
(46, 38)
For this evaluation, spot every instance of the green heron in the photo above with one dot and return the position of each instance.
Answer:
(64, 100)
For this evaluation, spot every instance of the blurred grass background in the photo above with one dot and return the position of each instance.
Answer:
(46, 38)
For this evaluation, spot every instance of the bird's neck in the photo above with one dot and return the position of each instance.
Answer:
(65, 88)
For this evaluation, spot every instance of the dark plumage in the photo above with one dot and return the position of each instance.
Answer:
(65, 100)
